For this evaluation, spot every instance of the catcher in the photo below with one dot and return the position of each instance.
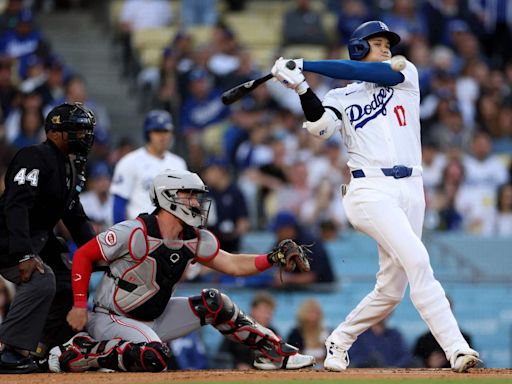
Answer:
(134, 311)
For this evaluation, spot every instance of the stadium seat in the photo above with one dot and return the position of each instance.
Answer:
(152, 38)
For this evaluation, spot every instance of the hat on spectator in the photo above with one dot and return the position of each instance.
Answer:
(217, 162)
(99, 170)
(26, 16)
(198, 74)
(283, 219)
(458, 25)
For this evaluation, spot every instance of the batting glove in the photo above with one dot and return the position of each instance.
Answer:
(292, 78)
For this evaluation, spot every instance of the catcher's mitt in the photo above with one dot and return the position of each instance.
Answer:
(288, 255)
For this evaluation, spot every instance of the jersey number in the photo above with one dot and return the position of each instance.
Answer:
(400, 115)
(22, 176)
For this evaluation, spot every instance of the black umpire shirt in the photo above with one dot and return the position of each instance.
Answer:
(39, 191)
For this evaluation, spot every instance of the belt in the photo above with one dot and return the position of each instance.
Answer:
(398, 172)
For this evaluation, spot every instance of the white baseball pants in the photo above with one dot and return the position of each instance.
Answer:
(391, 211)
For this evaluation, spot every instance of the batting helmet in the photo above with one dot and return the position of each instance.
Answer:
(78, 121)
(157, 120)
(358, 46)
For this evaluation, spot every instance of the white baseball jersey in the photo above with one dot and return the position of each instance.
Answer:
(381, 129)
(133, 176)
(380, 125)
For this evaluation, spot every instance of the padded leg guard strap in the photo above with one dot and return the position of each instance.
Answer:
(217, 309)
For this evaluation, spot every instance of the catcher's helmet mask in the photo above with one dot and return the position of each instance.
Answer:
(78, 121)
(164, 195)
(358, 46)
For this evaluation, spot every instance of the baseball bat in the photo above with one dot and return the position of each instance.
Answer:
(236, 93)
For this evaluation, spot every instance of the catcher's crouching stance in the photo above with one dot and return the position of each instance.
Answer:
(134, 312)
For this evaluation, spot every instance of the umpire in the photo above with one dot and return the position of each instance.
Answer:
(42, 186)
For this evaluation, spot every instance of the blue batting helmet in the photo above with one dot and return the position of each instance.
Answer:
(358, 46)
(157, 120)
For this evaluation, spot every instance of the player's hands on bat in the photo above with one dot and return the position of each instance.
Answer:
(289, 73)
(77, 318)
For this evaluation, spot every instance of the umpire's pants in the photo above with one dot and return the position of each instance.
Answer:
(23, 325)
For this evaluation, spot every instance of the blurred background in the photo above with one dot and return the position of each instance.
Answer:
(269, 179)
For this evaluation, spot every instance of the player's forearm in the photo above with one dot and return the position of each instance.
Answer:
(379, 73)
(81, 271)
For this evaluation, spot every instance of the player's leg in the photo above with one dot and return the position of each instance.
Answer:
(115, 342)
(435, 308)
(215, 308)
(378, 304)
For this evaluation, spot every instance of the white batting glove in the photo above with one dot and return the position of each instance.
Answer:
(292, 78)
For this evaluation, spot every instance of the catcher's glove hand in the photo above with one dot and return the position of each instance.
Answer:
(288, 255)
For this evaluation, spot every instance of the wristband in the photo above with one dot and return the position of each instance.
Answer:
(302, 88)
(26, 258)
(261, 263)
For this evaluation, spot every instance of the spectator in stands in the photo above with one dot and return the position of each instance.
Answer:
(97, 200)
(8, 90)
(324, 205)
(262, 310)
(228, 218)
(52, 89)
(444, 200)
(430, 353)
(198, 12)
(404, 19)
(503, 219)
(31, 129)
(309, 333)
(303, 25)
(188, 352)
(286, 226)
(292, 195)
(261, 184)
(225, 57)
(10, 15)
(28, 102)
(353, 13)
(255, 151)
(21, 42)
(202, 118)
(381, 347)
(138, 15)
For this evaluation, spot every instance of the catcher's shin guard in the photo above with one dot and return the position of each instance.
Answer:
(217, 309)
(83, 353)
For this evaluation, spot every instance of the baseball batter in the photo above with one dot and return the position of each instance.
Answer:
(135, 312)
(135, 171)
(378, 117)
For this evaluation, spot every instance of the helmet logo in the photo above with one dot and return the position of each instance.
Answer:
(383, 26)
(56, 119)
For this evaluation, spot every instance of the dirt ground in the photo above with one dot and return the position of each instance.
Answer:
(247, 376)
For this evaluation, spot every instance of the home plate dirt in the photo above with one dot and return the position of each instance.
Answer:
(246, 376)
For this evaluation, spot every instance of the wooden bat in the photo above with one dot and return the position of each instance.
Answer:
(236, 93)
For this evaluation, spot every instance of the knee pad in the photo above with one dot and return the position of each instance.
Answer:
(144, 357)
(213, 307)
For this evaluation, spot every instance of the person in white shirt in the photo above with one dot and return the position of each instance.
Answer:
(135, 171)
(378, 117)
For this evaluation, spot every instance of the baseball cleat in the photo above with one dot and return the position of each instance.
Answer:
(462, 361)
(296, 361)
(337, 359)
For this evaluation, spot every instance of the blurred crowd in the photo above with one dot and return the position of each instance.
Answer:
(254, 155)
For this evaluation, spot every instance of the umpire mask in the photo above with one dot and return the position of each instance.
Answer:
(78, 121)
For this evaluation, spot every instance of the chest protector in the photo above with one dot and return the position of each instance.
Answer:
(144, 289)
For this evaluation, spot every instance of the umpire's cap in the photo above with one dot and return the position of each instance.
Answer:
(358, 46)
